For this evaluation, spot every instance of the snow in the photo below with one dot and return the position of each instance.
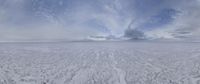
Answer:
(100, 63)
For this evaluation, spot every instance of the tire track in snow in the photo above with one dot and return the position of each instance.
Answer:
(121, 74)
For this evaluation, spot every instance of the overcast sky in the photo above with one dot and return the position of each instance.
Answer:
(78, 19)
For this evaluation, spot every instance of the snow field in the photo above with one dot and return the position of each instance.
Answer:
(100, 63)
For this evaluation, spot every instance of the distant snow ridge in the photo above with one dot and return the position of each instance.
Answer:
(100, 63)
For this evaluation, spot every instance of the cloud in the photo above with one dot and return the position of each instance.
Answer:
(167, 18)
(62, 19)
(186, 21)
(22, 21)
(77, 19)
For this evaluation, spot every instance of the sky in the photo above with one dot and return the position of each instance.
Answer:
(78, 19)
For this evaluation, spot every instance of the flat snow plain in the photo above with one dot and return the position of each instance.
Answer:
(100, 63)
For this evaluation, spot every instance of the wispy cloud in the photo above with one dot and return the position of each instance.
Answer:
(186, 23)
(77, 19)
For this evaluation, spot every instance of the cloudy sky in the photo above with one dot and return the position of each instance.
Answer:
(78, 19)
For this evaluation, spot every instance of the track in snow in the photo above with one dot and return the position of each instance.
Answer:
(100, 63)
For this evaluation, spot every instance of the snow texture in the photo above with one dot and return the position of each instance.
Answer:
(100, 63)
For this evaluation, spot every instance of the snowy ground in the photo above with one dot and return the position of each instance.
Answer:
(100, 63)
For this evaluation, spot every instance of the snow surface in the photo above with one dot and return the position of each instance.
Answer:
(100, 63)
